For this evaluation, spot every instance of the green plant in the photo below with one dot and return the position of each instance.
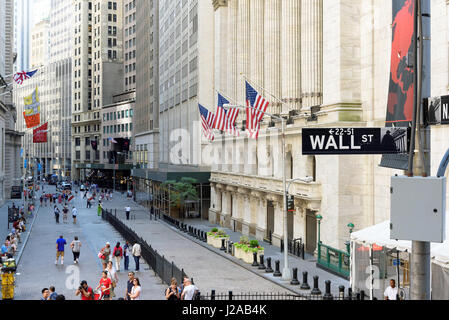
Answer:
(214, 230)
(254, 243)
(221, 233)
(181, 191)
(244, 240)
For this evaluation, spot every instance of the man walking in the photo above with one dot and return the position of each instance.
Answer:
(76, 250)
(129, 285)
(56, 210)
(136, 251)
(126, 249)
(60, 245)
(391, 292)
(127, 210)
(74, 214)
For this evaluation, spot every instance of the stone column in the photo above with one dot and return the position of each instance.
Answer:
(221, 44)
(311, 52)
(261, 221)
(278, 218)
(291, 55)
(257, 43)
(243, 46)
(272, 44)
(246, 214)
(232, 70)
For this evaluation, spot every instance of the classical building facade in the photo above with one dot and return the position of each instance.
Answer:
(320, 63)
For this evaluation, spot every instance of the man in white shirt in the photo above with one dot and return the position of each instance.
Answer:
(391, 292)
(127, 210)
(189, 290)
(136, 251)
(74, 214)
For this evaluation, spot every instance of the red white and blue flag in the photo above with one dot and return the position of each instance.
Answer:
(112, 140)
(225, 119)
(255, 114)
(207, 120)
(20, 77)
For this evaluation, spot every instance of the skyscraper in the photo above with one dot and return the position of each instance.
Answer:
(40, 44)
(62, 17)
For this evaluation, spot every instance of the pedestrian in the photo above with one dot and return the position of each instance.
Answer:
(60, 297)
(391, 293)
(106, 252)
(105, 285)
(74, 214)
(76, 250)
(41, 199)
(99, 209)
(53, 293)
(136, 251)
(86, 292)
(45, 200)
(129, 285)
(136, 290)
(173, 292)
(112, 274)
(57, 212)
(45, 294)
(126, 249)
(117, 254)
(189, 291)
(65, 211)
(152, 210)
(60, 245)
(127, 211)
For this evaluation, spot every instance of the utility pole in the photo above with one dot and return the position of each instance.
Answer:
(420, 257)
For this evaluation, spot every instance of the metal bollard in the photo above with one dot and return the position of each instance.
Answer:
(269, 269)
(261, 264)
(230, 245)
(255, 263)
(277, 272)
(315, 290)
(223, 248)
(349, 293)
(328, 294)
(341, 292)
(305, 285)
(295, 281)
(212, 295)
(362, 295)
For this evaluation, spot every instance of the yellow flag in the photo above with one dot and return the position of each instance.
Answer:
(32, 105)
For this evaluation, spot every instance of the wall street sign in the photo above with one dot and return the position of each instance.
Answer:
(334, 141)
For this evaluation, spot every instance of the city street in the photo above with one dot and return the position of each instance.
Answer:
(37, 269)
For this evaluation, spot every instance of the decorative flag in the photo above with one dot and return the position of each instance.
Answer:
(71, 197)
(94, 144)
(112, 140)
(207, 119)
(25, 164)
(225, 119)
(32, 110)
(21, 152)
(20, 77)
(255, 114)
(40, 134)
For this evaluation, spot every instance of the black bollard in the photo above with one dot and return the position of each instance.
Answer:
(223, 248)
(295, 281)
(305, 285)
(255, 263)
(362, 295)
(277, 272)
(212, 295)
(349, 293)
(230, 244)
(341, 292)
(327, 294)
(269, 269)
(315, 290)
(261, 264)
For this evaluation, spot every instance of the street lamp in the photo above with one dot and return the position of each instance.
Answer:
(348, 243)
(286, 274)
(319, 217)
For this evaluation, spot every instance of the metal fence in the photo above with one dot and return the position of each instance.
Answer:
(162, 267)
(295, 247)
(334, 260)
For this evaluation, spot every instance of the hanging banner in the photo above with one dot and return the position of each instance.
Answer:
(40, 134)
(32, 110)
(402, 86)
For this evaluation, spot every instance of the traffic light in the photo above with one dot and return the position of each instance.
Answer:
(290, 203)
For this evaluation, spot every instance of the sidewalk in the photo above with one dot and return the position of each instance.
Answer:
(200, 260)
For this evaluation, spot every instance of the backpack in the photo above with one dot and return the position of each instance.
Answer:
(117, 252)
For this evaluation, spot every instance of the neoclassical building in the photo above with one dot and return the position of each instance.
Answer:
(321, 63)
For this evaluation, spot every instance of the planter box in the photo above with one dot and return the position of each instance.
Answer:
(247, 257)
(215, 242)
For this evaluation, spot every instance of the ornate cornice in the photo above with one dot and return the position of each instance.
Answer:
(219, 3)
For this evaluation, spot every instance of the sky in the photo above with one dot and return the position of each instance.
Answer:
(40, 10)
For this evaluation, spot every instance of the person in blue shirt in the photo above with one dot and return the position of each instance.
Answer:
(4, 249)
(60, 245)
(53, 293)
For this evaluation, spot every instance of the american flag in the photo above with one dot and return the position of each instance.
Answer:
(20, 77)
(255, 114)
(207, 119)
(225, 119)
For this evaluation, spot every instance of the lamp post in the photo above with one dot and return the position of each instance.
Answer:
(286, 274)
(319, 217)
(348, 243)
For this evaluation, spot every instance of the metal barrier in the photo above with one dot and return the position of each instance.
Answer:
(334, 260)
(295, 247)
(162, 267)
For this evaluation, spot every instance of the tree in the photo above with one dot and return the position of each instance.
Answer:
(181, 191)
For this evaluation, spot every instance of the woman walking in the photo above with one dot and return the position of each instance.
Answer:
(76, 250)
(112, 274)
(173, 292)
(136, 291)
(56, 210)
(105, 285)
(117, 254)
(106, 252)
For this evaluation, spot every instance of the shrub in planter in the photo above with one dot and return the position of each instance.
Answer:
(214, 230)
(254, 243)
(244, 240)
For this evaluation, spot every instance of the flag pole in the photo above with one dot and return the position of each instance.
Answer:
(260, 87)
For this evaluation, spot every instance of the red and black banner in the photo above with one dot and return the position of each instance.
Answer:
(402, 86)
(40, 134)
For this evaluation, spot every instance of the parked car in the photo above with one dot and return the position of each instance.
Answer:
(83, 188)
(66, 186)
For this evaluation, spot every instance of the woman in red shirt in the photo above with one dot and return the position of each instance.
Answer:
(105, 284)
